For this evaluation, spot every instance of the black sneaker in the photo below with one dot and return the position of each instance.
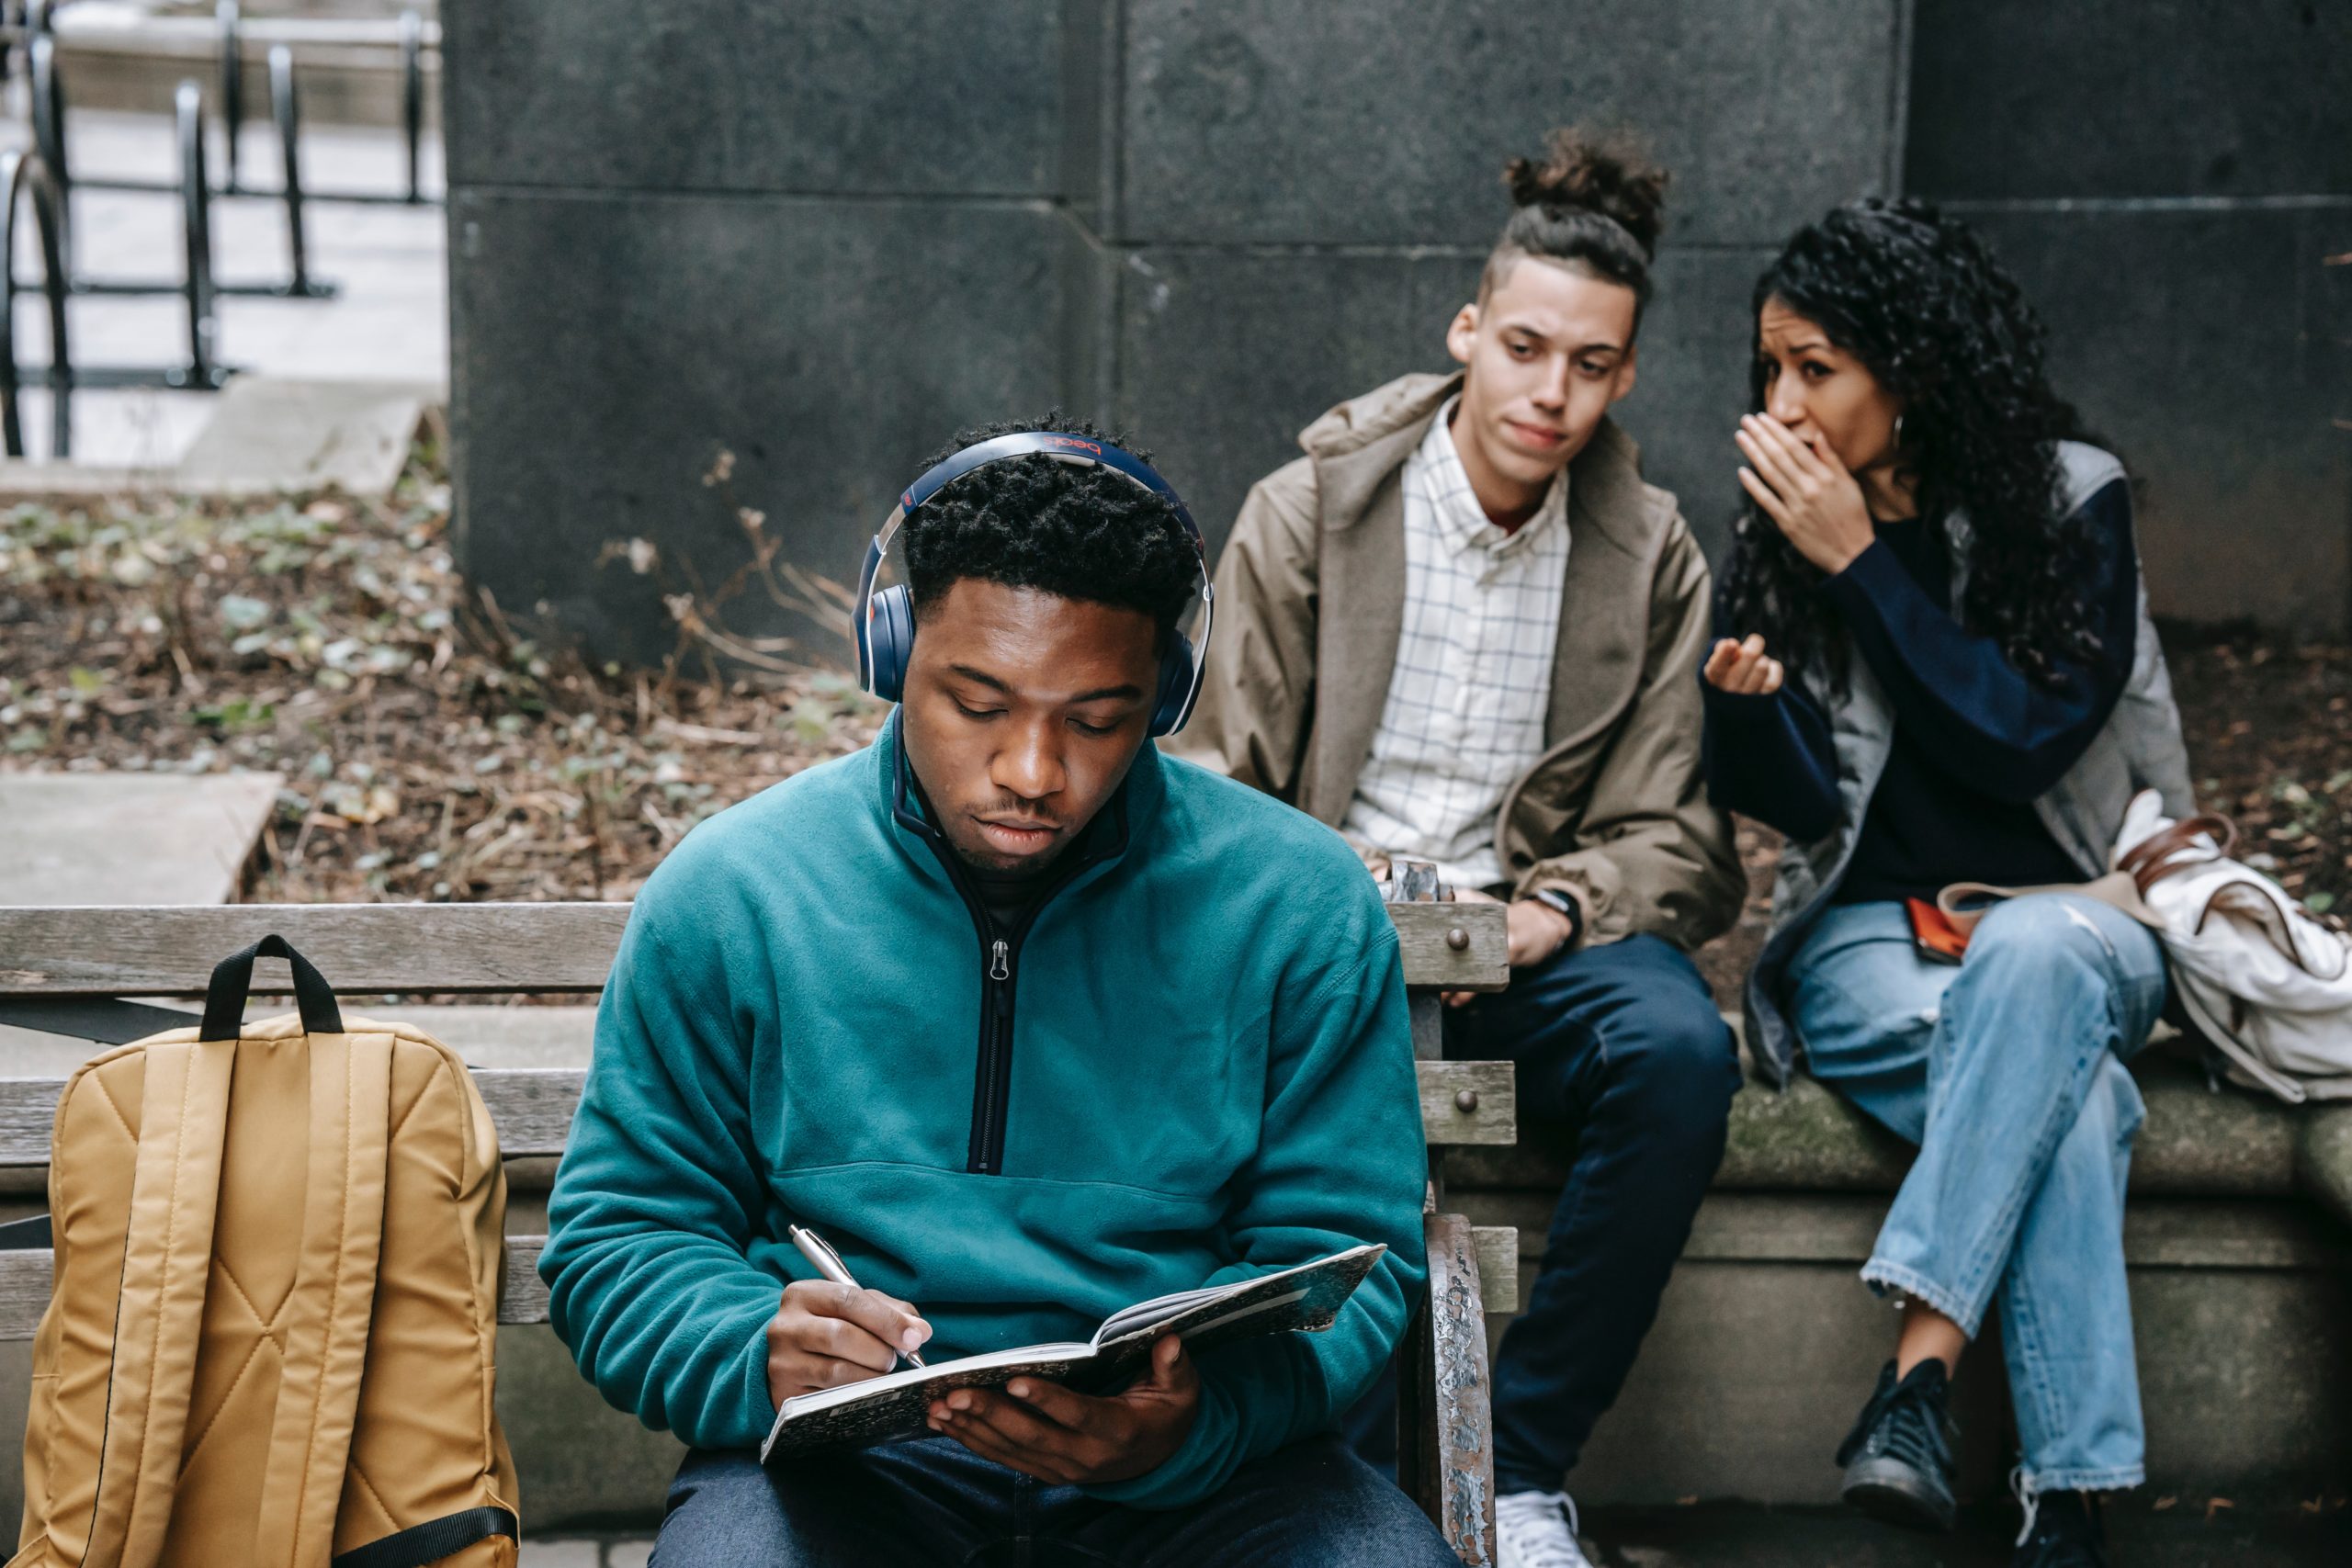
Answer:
(1898, 1457)
(2062, 1530)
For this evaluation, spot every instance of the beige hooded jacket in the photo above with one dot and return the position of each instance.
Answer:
(1310, 595)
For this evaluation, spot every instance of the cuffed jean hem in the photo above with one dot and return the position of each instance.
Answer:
(2115, 1478)
(1882, 1277)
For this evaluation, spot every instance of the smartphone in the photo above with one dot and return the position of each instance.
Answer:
(1937, 939)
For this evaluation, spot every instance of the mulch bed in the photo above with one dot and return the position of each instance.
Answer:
(430, 753)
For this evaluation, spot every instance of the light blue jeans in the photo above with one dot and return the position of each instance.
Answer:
(2008, 1072)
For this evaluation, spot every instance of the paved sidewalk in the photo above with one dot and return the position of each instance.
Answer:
(1738, 1536)
(585, 1554)
(128, 837)
(390, 323)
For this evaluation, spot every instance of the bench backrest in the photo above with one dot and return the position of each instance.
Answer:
(64, 969)
(470, 948)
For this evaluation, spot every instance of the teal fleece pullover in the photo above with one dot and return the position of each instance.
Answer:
(1192, 1066)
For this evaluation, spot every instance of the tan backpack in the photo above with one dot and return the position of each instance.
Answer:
(272, 1332)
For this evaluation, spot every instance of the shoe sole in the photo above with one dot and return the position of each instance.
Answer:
(1888, 1490)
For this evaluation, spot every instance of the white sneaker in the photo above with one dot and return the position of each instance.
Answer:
(1538, 1529)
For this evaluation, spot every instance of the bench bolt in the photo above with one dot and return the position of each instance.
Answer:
(1465, 1101)
(1457, 939)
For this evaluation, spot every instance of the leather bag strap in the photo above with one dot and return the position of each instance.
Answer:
(1965, 903)
(2174, 849)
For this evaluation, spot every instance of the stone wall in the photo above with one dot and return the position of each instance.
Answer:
(2170, 182)
(822, 237)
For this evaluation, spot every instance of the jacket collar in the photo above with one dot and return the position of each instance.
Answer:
(1359, 451)
(1461, 522)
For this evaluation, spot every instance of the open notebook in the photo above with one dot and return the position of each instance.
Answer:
(878, 1409)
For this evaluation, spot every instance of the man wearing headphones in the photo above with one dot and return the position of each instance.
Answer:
(1030, 1023)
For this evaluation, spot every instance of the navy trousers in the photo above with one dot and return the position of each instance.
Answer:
(933, 1504)
(1624, 1065)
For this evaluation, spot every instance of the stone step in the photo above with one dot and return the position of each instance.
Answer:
(1733, 1536)
(264, 435)
(2179, 1535)
(69, 839)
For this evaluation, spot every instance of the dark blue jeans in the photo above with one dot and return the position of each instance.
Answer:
(1626, 1064)
(935, 1504)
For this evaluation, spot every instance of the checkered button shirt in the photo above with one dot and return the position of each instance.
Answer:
(1467, 701)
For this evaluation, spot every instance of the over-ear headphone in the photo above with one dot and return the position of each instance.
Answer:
(885, 622)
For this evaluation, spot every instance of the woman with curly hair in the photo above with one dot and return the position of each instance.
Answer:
(1934, 664)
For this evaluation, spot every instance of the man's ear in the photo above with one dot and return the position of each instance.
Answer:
(1628, 372)
(1462, 337)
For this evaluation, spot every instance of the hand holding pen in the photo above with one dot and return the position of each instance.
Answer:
(833, 1331)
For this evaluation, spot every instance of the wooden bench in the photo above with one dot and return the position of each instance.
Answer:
(67, 970)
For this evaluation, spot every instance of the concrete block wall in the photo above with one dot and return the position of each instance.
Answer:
(819, 237)
(2170, 182)
(822, 236)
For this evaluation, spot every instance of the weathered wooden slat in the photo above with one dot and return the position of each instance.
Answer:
(1426, 1010)
(70, 951)
(1428, 934)
(523, 1296)
(28, 1110)
(24, 1281)
(24, 1293)
(360, 947)
(1446, 1437)
(25, 1278)
(1495, 1250)
(1468, 1102)
(1498, 1251)
(533, 1106)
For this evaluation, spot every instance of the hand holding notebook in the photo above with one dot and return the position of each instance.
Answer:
(1304, 1298)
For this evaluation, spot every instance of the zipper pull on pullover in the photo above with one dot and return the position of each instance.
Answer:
(997, 968)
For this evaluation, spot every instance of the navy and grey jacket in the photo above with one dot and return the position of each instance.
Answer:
(1939, 760)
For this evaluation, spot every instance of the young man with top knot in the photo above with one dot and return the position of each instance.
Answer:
(1461, 629)
(1029, 1024)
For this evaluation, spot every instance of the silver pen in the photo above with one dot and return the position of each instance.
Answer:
(829, 1263)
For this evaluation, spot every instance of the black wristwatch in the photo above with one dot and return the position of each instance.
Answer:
(1567, 906)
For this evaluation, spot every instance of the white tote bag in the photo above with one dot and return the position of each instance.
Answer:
(2265, 982)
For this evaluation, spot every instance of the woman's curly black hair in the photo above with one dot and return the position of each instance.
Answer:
(1079, 531)
(1920, 301)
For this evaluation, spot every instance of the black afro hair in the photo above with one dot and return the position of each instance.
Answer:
(1080, 532)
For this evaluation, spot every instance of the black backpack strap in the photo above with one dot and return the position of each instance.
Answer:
(431, 1540)
(225, 1000)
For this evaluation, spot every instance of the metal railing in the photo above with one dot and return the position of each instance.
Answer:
(41, 179)
(24, 176)
(232, 101)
